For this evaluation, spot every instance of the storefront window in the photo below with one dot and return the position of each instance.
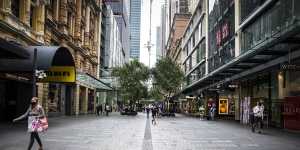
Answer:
(54, 98)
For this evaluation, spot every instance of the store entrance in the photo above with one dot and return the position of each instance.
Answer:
(14, 99)
(59, 102)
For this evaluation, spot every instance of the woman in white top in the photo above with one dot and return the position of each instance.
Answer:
(34, 112)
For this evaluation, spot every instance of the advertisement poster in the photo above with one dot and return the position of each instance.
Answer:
(223, 106)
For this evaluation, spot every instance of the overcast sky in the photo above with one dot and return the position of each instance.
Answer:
(145, 24)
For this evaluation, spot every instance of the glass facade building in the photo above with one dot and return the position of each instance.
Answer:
(135, 21)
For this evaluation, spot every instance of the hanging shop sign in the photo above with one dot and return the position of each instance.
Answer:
(60, 74)
(223, 106)
(290, 67)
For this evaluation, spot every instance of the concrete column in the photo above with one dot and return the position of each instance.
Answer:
(78, 20)
(40, 19)
(85, 104)
(87, 27)
(25, 11)
(206, 3)
(77, 95)
(63, 19)
(95, 100)
(55, 9)
(237, 24)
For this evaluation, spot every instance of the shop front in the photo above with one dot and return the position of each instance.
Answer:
(16, 80)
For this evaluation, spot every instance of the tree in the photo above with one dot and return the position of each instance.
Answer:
(167, 76)
(132, 78)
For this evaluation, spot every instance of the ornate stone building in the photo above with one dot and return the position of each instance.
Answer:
(72, 24)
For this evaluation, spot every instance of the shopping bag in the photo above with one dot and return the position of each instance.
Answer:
(36, 126)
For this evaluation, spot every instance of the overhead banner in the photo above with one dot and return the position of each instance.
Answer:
(60, 74)
(223, 106)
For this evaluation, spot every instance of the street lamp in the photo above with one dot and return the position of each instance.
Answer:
(40, 74)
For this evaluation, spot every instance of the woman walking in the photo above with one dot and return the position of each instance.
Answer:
(35, 112)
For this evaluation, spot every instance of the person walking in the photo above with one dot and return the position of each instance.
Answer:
(148, 111)
(101, 109)
(213, 112)
(98, 109)
(107, 109)
(258, 112)
(201, 112)
(154, 115)
(34, 113)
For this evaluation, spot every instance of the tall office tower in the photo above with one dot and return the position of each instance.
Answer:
(158, 43)
(121, 14)
(135, 21)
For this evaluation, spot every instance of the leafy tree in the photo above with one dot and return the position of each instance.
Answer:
(167, 77)
(132, 78)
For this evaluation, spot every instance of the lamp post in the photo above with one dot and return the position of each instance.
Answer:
(34, 73)
(40, 74)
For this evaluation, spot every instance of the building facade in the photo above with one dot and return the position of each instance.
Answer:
(249, 54)
(120, 11)
(73, 25)
(135, 26)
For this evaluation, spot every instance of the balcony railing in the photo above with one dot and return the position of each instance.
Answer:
(271, 24)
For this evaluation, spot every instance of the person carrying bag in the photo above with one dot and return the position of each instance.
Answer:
(37, 122)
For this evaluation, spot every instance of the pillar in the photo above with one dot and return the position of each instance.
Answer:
(95, 100)
(77, 95)
(25, 11)
(63, 19)
(237, 24)
(206, 23)
(87, 27)
(78, 20)
(85, 103)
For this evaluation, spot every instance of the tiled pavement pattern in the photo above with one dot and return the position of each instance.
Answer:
(136, 133)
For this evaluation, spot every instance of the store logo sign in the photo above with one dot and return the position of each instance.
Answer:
(60, 74)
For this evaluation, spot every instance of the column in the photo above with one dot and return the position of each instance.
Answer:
(87, 27)
(25, 11)
(40, 16)
(95, 100)
(85, 104)
(63, 19)
(206, 3)
(77, 95)
(78, 21)
(237, 23)
(55, 10)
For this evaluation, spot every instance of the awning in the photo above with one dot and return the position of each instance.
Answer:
(89, 80)
(47, 56)
(11, 50)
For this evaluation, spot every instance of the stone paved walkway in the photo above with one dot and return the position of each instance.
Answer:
(137, 133)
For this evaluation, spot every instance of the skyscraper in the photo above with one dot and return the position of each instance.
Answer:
(135, 21)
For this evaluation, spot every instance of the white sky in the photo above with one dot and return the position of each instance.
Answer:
(145, 23)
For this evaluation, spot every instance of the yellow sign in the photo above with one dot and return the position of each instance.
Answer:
(223, 106)
(60, 74)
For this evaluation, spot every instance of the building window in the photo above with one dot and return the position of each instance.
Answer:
(15, 8)
(32, 16)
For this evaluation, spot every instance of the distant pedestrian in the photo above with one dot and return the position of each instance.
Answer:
(212, 112)
(154, 113)
(258, 112)
(98, 109)
(35, 113)
(201, 112)
(107, 109)
(148, 111)
(101, 109)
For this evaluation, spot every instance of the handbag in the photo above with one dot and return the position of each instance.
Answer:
(44, 123)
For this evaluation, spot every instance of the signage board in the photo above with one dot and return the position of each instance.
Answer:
(223, 106)
(60, 74)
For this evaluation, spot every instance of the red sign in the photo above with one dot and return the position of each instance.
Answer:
(291, 113)
(222, 33)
